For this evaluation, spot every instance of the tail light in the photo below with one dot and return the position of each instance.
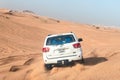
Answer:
(45, 49)
(77, 45)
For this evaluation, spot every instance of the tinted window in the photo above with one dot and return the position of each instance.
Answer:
(59, 40)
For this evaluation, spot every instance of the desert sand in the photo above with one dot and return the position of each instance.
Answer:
(21, 39)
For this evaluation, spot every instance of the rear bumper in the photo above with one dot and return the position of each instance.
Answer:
(68, 58)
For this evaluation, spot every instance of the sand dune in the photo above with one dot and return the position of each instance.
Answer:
(21, 38)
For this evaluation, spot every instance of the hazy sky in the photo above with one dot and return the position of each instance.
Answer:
(106, 12)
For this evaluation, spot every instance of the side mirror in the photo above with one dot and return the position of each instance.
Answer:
(80, 39)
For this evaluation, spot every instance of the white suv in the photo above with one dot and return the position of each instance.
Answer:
(61, 49)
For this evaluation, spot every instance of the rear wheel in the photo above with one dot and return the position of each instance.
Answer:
(48, 66)
(81, 61)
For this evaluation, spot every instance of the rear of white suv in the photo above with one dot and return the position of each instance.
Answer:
(61, 49)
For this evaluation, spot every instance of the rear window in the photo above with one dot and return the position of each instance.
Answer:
(59, 40)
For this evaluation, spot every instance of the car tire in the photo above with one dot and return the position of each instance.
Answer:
(81, 61)
(48, 66)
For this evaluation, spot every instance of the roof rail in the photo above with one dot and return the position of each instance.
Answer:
(49, 34)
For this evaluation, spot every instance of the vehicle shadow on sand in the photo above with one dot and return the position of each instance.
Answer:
(90, 61)
(94, 60)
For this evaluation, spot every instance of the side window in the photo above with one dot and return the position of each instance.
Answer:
(48, 41)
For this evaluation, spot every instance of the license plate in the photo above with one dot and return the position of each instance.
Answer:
(63, 62)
